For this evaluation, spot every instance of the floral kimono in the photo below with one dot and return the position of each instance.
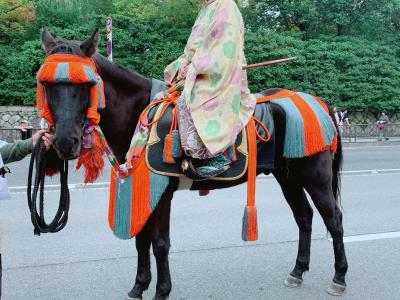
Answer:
(216, 103)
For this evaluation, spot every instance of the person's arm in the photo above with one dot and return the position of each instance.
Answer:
(386, 119)
(16, 151)
(178, 67)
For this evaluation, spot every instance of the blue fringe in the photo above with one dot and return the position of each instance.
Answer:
(176, 145)
(231, 153)
(294, 135)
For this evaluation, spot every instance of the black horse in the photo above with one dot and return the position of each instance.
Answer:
(127, 95)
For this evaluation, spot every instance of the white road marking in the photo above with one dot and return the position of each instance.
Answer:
(368, 147)
(370, 237)
(373, 171)
(57, 191)
(72, 186)
(105, 184)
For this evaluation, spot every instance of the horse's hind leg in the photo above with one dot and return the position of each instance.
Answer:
(303, 214)
(318, 184)
(143, 275)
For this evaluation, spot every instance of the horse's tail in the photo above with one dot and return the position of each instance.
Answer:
(337, 161)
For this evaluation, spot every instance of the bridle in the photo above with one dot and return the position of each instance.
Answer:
(61, 68)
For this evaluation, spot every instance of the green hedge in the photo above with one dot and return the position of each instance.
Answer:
(350, 72)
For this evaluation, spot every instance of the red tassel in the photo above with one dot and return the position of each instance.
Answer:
(168, 157)
(249, 228)
(203, 193)
(51, 172)
(92, 159)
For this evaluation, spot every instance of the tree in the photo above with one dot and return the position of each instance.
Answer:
(166, 12)
(63, 13)
(370, 18)
(288, 15)
(14, 15)
(348, 51)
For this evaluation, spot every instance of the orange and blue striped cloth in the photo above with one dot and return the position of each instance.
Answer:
(309, 127)
(133, 198)
(74, 69)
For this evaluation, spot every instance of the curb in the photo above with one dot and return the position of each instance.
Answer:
(371, 143)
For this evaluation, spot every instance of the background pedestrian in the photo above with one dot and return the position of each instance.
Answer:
(382, 126)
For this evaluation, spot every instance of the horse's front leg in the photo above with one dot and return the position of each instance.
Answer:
(160, 222)
(143, 275)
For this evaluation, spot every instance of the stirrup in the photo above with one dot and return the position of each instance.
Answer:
(190, 171)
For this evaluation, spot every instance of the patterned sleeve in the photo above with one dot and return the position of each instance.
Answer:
(171, 71)
(219, 51)
(218, 61)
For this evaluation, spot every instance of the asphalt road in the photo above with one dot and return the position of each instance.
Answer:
(208, 259)
(356, 157)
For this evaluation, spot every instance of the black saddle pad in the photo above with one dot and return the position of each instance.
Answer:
(158, 132)
(155, 148)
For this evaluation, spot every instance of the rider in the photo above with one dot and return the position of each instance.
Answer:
(216, 103)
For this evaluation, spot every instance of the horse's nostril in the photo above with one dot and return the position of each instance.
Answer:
(66, 146)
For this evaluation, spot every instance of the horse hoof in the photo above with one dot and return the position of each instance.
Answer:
(336, 289)
(293, 282)
(130, 298)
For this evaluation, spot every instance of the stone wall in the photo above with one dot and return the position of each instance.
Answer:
(11, 116)
(363, 122)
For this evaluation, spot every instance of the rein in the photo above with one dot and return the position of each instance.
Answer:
(38, 159)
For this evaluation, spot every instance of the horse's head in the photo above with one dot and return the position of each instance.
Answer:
(67, 101)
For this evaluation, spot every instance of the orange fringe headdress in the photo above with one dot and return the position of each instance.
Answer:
(75, 69)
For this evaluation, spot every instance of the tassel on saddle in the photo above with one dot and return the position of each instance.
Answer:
(172, 144)
(249, 227)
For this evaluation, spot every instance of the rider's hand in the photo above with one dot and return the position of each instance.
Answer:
(182, 72)
(43, 134)
(161, 95)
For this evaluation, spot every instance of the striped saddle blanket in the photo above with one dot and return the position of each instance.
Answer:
(309, 127)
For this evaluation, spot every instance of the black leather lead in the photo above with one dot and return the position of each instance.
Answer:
(38, 160)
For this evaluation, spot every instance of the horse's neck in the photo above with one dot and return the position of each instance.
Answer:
(127, 95)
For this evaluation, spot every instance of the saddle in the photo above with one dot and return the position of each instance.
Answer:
(238, 153)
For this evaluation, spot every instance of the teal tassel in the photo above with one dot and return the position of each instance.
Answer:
(231, 153)
(176, 145)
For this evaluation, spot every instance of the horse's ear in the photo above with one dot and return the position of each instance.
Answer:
(89, 46)
(48, 41)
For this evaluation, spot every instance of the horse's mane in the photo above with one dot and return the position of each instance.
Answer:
(119, 74)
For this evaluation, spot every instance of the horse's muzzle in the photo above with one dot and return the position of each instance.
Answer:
(67, 148)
